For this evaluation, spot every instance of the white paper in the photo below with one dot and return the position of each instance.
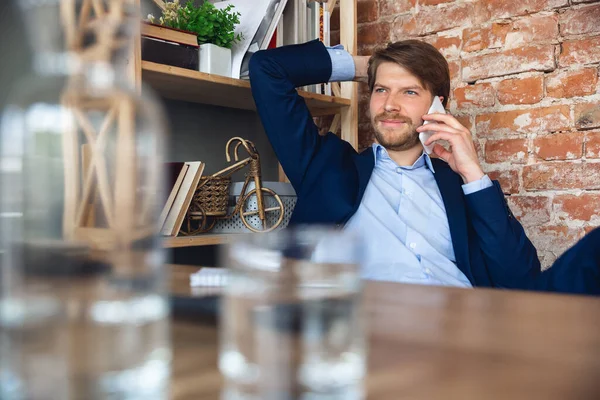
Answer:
(270, 22)
(209, 277)
(251, 15)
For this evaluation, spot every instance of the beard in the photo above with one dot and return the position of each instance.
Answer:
(397, 139)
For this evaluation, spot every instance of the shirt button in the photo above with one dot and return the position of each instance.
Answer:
(413, 245)
(399, 170)
(427, 271)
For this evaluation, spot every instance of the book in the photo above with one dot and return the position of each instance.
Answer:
(169, 34)
(268, 14)
(183, 198)
(175, 175)
(270, 22)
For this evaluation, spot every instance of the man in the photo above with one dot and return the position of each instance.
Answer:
(426, 220)
(576, 271)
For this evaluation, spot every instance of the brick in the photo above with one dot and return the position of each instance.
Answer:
(367, 11)
(564, 84)
(433, 2)
(506, 150)
(549, 176)
(486, 37)
(554, 239)
(374, 33)
(585, 207)
(587, 115)
(538, 28)
(513, 61)
(581, 51)
(508, 179)
(454, 67)
(547, 259)
(392, 7)
(435, 19)
(448, 45)
(479, 95)
(592, 144)
(578, 21)
(549, 119)
(521, 90)
(559, 146)
(465, 120)
(530, 210)
(366, 50)
(513, 8)
(478, 149)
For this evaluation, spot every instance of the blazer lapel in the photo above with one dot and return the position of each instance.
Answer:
(450, 184)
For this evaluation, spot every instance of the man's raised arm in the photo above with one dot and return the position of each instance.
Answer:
(274, 75)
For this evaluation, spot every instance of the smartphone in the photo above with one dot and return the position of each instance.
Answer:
(436, 107)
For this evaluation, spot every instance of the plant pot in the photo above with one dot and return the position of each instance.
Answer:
(215, 60)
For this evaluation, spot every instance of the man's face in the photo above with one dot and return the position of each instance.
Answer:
(397, 104)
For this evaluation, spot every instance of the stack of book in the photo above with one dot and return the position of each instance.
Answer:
(184, 178)
(273, 23)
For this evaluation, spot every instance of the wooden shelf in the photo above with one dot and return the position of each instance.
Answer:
(200, 240)
(198, 87)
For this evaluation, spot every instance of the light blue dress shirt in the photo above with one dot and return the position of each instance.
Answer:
(408, 238)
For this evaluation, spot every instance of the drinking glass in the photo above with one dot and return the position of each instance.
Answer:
(291, 322)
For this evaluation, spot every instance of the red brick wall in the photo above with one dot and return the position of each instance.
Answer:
(525, 81)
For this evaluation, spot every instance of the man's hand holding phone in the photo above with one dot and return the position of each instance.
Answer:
(462, 156)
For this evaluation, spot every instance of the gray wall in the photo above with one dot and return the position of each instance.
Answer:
(199, 133)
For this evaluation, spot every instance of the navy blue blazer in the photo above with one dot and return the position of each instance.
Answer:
(576, 271)
(330, 177)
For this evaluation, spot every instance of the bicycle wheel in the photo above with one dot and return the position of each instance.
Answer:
(196, 221)
(273, 207)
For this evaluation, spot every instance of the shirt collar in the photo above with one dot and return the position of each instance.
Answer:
(382, 154)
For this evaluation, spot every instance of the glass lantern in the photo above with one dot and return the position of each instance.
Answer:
(83, 299)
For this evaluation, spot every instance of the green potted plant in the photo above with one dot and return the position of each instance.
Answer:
(214, 27)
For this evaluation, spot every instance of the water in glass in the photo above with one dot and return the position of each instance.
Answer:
(291, 320)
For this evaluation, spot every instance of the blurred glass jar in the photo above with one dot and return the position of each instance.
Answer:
(291, 320)
(83, 298)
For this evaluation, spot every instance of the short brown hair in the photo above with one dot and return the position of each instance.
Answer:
(420, 59)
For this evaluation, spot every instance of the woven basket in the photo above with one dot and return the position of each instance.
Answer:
(212, 195)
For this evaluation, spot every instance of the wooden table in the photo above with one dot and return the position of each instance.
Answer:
(442, 343)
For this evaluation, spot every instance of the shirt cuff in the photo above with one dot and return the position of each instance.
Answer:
(342, 64)
(475, 186)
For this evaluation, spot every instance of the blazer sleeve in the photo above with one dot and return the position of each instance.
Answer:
(510, 257)
(274, 75)
(577, 271)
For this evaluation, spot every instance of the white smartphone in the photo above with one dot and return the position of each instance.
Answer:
(436, 107)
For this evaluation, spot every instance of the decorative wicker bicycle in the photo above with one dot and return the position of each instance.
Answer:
(211, 198)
